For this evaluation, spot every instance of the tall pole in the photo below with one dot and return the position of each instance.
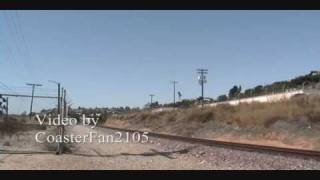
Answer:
(64, 115)
(202, 80)
(174, 92)
(202, 93)
(151, 96)
(7, 108)
(64, 103)
(59, 97)
(60, 128)
(59, 100)
(33, 86)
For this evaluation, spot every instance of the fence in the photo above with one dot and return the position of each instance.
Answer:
(24, 126)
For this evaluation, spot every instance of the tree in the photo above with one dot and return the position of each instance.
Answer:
(155, 104)
(258, 90)
(234, 91)
(248, 92)
(127, 109)
(222, 98)
(199, 98)
(185, 103)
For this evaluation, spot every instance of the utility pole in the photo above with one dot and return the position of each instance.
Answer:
(7, 108)
(59, 98)
(64, 103)
(61, 104)
(33, 86)
(59, 111)
(64, 115)
(174, 92)
(1, 107)
(151, 96)
(202, 79)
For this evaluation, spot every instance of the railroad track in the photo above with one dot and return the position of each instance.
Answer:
(240, 146)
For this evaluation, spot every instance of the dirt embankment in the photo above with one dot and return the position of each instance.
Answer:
(294, 123)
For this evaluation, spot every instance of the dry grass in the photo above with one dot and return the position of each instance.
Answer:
(294, 123)
(13, 126)
(10, 127)
(244, 115)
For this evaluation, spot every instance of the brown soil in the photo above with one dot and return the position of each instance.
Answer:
(293, 123)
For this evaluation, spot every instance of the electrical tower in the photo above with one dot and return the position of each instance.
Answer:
(202, 79)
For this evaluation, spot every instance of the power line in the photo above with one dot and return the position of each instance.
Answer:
(19, 29)
(6, 48)
(23, 88)
(9, 21)
(8, 88)
(16, 41)
(4, 86)
(28, 96)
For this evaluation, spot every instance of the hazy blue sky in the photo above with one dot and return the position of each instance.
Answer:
(117, 58)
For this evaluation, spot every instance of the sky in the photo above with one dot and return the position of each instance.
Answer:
(118, 58)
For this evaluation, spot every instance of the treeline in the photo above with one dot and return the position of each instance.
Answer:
(308, 80)
(235, 92)
(299, 82)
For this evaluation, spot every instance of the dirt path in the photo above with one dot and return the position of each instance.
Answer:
(104, 156)
(156, 154)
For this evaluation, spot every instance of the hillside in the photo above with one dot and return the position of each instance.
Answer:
(292, 123)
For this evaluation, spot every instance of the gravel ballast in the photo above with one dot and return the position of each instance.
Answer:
(156, 154)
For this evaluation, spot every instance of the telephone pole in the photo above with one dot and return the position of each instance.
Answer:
(202, 79)
(33, 86)
(174, 92)
(65, 105)
(59, 98)
(59, 111)
(7, 108)
(151, 96)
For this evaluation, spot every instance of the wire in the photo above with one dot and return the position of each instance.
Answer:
(17, 42)
(6, 48)
(4, 85)
(22, 34)
(28, 88)
(8, 88)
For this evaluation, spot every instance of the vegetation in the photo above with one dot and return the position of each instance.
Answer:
(13, 126)
(299, 82)
(263, 115)
(234, 92)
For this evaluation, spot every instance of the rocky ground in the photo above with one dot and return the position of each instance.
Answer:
(289, 134)
(155, 154)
